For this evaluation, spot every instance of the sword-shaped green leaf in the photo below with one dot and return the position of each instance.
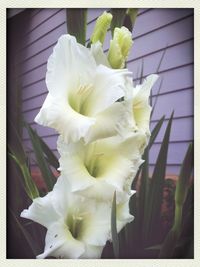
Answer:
(51, 158)
(181, 192)
(29, 185)
(152, 214)
(47, 174)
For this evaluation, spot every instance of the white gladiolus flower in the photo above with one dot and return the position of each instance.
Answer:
(81, 93)
(99, 168)
(76, 226)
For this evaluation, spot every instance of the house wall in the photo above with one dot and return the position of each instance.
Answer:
(157, 31)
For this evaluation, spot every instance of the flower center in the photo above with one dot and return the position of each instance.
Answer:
(78, 99)
(74, 223)
(93, 165)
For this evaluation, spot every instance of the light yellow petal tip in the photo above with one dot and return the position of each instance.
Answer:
(101, 27)
(120, 47)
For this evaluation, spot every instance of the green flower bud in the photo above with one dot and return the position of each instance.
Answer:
(101, 27)
(119, 47)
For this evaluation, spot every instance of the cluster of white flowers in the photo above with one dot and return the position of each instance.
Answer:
(101, 141)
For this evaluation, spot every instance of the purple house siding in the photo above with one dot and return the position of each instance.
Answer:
(155, 31)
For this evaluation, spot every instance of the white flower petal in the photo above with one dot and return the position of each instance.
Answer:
(110, 122)
(142, 118)
(98, 54)
(68, 63)
(41, 211)
(57, 114)
(123, 215)
(100, 191)
(109, 87)
(96, 225)
(140, 102)
(92, 252)
(74, 168)
(60, 243)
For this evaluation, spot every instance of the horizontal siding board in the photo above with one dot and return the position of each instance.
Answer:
(161, 38)
(29, 116)
(181, 102)
(175, 56)
(175, 79)
(33, 103)
(35, 61)
(164, 17)
(56, 19)
(40, 17)
(33, 76)
(44, 43)
(34, 90)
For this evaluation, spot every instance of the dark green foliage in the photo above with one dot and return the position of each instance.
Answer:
(76, 23)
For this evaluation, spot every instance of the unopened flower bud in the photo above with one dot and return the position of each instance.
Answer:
(120, 47)
(101, 27)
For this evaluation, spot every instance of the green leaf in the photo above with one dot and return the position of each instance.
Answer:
(182, 187)
(155, 131)
(29, 184)
(118, 18)
(53, 161)
(184, 177)
(152, 214)
(17, 149)
(76, 23)
(47, 174)
(25, 233)
(115, 239)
